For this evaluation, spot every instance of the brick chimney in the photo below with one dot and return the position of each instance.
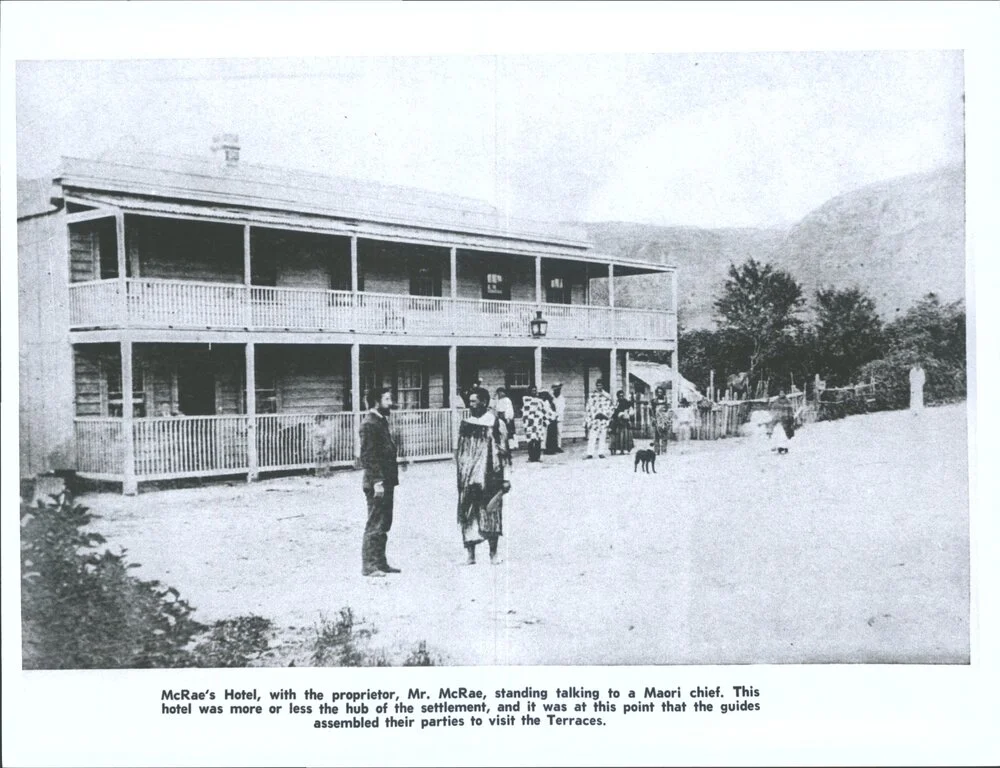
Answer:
(229, 144)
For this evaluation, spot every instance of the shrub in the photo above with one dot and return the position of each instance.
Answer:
(420, 657)
(234, 642)
(81, 609)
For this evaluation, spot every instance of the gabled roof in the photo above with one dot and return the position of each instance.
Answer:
(271, 188)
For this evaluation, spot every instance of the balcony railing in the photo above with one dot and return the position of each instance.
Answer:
(153, 303)
(202, 446)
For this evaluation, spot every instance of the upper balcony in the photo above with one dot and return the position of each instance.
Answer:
(184, 304)
(205, 276)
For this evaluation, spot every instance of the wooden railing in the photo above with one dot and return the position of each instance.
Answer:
(279, 308)
(578, 321)
(297, 441)
(189, 304)
(186, 304)
(202, 446)
(186, 446)
(423, 434)
(99, 450)
(96, 303)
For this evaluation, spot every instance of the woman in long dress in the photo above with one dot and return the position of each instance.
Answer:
(621, 425)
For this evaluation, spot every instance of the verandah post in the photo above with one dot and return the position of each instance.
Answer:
(122, 268)
(613, 372)
(453, 316)
(357, 396)
(453, 391)
(538, 366)
(247, 279)
(129, 485)
(611, 298)
(251, 414)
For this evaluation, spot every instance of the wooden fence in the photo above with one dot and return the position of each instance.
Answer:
(725, 419)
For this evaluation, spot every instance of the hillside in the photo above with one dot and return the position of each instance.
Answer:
(898, 240)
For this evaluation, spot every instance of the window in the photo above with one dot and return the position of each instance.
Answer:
(557, 291)
(113, 382)
(496, 286)
(409, 384)
(425, 281)
(518, 376)
(266, 392)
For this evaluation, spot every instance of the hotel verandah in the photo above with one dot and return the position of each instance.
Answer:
(186, 317)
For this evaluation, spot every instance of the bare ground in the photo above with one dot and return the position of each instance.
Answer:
(854, 547)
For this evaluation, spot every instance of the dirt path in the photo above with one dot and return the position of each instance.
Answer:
(853, 547)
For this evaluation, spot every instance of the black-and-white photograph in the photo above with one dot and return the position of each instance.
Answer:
(486, 360)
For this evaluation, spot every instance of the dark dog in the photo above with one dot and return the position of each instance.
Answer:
(647, 456)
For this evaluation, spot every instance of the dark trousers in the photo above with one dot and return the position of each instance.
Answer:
(376, 529)
(534, 450)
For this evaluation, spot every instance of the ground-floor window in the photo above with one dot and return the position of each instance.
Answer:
(409, 384)
(113, 390)
(266, 392)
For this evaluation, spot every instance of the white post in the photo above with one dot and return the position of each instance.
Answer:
(538, 367)
(611, 296)
(129, 485)
(354, 264)
(251, 414)
(628, 377)
(673, 304)
(247, 278)
(122, 268)
(454, 290)
(538, 281)
(453, 391)
(357, 396)
(613, 372)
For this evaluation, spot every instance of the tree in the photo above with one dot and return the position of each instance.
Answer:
(758, 314)
(848, 333)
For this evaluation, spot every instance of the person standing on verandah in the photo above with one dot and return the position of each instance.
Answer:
(381, 476)
(599, 410)
(483, 463)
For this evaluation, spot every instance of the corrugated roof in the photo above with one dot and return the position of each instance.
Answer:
(267, 187)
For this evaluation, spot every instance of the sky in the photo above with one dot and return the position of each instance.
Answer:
(708, 140)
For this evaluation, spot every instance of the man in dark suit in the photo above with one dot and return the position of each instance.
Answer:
(381, 476)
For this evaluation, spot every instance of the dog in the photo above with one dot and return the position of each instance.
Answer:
(647, 457)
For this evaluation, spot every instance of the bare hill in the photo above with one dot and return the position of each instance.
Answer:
(898, 240)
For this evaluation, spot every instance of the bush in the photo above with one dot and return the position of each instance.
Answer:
(80, 609)
(337, 643)
(945, 383)
(234, 642)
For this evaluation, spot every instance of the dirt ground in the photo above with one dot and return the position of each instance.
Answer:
(853, 547)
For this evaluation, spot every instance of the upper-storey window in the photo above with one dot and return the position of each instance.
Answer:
(425, 281)
(496, 285)
(557, 291)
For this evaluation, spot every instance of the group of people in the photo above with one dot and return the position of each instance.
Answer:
(483, 464)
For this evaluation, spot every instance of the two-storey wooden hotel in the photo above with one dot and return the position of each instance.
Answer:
(187, 317)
